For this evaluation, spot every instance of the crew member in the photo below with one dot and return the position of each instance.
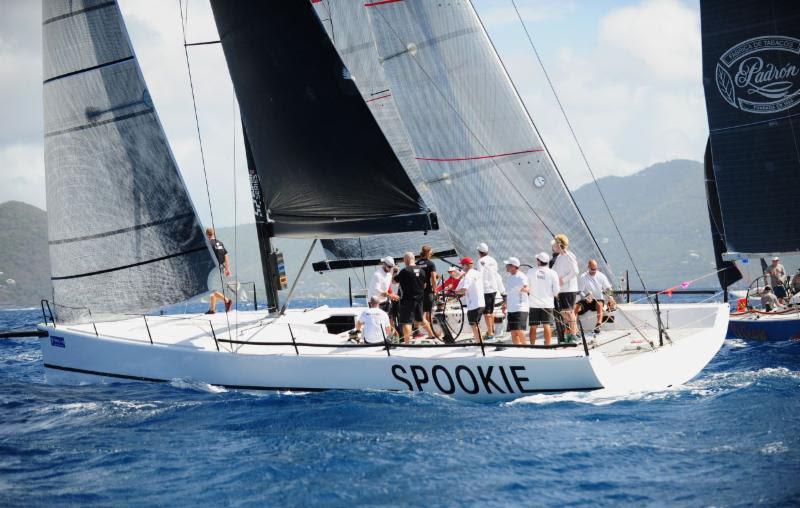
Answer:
(592, 286)
(776, 275)
(412, 287)
(487, 265)
(769, 300)
(450, 285)
(426, 264)
(544, 286)
(374, 322)
(566, 266)
(516, 303)
(381, 283)
(471, 286)
(223, 260)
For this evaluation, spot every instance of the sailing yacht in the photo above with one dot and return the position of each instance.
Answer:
(383, 124)
(751, 71)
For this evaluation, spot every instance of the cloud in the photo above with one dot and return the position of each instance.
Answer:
(664, 35)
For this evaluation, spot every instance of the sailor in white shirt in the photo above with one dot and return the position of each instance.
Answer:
(515, 304)
(487, 265)
(374, 323)
(543, 290)
(592, 286)
(471, 285)
(380, 283)
(566, 266)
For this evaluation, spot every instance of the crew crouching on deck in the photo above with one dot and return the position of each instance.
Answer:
(516, 302)
(471, 285)
(593, 286)
(381, 283)
(412, 287)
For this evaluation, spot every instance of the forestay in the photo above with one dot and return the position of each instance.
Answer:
(478, 151)
(326, 168)
(751, 76)
(124, 236)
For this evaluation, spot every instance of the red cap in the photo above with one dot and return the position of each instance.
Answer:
(466, 261)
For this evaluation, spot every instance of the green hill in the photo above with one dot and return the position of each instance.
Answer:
(24, 259)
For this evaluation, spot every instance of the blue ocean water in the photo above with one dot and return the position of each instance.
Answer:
(729, 438)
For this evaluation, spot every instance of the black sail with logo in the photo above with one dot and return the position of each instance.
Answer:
(325, 166)
(751, 77)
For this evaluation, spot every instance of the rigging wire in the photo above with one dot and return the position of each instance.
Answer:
(580, 147)
(235, 210)
(200, 142)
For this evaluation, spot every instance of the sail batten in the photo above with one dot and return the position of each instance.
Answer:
(123, 233)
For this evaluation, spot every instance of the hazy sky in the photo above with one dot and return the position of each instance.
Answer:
(627, 71)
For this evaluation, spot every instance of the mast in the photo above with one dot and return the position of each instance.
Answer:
(263, 231)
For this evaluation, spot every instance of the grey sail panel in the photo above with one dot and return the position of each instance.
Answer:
(347, 26)
(123, 233)
(478, 151)
(326, 168)
(751, 77)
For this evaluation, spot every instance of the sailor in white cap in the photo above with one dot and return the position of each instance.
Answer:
(544, 287)
(776, 275)
(380, 283)
(515, 304)
(492, 282)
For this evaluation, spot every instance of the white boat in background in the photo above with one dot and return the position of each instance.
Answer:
(752, 152)
(350, 137)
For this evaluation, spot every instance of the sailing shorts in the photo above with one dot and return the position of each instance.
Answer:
(566, 300)
(541, 317)
(488, 302)
(410, 311)
(474, 316)
(587, 306)
(427, 302)
(517, 321)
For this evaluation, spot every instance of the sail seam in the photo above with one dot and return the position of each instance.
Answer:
(75, 13)
(123, 230)
(477, 157)
(379, 98)
(750, 124)
(381, 2)
(132, 265)
(98, 124)
(87, 69)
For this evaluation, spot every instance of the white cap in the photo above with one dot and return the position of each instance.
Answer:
(388, 261)
(452, 268)
(482, 247)
(512, 261)
(543, 257)
(776, 258)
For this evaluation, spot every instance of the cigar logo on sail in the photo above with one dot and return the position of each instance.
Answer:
(761, 75)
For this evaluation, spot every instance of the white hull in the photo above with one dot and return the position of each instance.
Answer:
(184, 348)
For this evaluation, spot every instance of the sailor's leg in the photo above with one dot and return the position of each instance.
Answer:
(407, 333)
(533, 334)
(599, 312)
(548, 334)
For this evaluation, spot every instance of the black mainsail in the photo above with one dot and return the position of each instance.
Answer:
(124, 236)
(325, 167)
(751, 76)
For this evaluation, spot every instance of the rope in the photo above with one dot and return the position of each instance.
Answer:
(200, 140)
(580, 148)
(235, 209)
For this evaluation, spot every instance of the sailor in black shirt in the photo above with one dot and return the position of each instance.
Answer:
(425, 262)
(412, 286)
(224, 267)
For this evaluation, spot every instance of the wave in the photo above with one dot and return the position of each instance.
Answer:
(712, 384)
(194, 385)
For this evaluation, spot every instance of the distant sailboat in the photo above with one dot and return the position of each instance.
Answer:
(751, 75)
(361, 122)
